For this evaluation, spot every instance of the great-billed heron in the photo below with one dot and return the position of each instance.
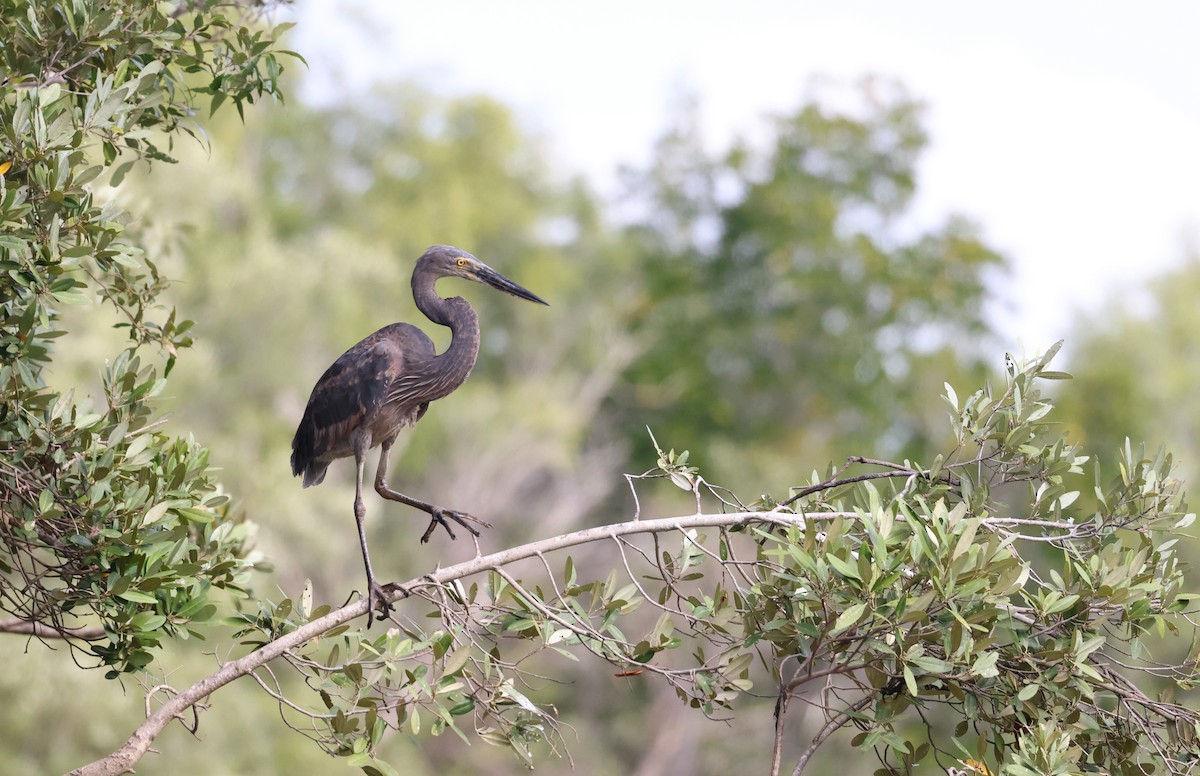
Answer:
(385, 383)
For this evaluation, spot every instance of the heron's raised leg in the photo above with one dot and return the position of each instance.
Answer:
(375, 592)
(437, 515)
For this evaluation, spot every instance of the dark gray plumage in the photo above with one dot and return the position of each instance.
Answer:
(385, 383)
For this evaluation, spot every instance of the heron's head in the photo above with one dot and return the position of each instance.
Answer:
(448, 261)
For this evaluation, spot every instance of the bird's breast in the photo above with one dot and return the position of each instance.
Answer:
(390, 419)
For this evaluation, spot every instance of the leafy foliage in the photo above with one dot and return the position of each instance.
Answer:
(1028, 626)
(102, 512)
(914, 596)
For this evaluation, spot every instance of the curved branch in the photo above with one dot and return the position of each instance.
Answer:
(123, 759)
(836, 480)
(44, 631)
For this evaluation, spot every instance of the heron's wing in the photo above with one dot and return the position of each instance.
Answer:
(409, 385)
(349, 395)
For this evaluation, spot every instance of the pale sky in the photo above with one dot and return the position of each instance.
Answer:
(1069, 131)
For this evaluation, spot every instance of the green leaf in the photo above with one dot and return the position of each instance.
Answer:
(148, 621)
(508, 691)
(1088, 647)
(457, 659)
(155, 513)
(931, 665)
(138, 597)
(379, 768)
(562, 634)
(844, 567)
(985, 665)
(849, 617)
(306, 598)
(1062, 604)
(195, 515)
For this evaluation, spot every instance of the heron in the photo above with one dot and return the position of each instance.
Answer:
(385, 383)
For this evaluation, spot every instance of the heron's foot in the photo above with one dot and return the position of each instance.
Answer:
(441, 517)
(377, 599)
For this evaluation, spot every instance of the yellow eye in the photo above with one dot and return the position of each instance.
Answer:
(462, 262)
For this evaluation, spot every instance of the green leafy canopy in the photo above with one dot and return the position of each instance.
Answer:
(103, 516)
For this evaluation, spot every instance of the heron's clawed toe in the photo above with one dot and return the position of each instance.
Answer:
(377, 600)
(441, 517)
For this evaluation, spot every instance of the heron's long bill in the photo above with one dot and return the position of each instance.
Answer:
(494, 279)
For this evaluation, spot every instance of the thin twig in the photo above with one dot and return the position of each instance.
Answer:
(833, 725)
(44, 631)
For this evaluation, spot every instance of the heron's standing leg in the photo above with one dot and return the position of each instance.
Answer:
(437, 515)
(375, 592)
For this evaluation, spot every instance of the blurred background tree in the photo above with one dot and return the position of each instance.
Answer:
(783, 302)
(1137, 365)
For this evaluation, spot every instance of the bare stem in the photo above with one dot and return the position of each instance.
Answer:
(44, 631)
(833, 725)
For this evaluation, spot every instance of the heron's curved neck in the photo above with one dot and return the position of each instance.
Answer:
(452, 367)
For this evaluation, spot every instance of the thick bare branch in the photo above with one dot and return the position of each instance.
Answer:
(123, 759)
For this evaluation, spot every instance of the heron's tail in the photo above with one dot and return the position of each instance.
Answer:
(304, 462)
(313, 473)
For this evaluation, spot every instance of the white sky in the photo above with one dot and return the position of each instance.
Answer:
(1069, 130)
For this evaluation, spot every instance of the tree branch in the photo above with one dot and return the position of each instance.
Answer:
(44, 631)
(123, 759)
(834, 724)
(835, 481)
